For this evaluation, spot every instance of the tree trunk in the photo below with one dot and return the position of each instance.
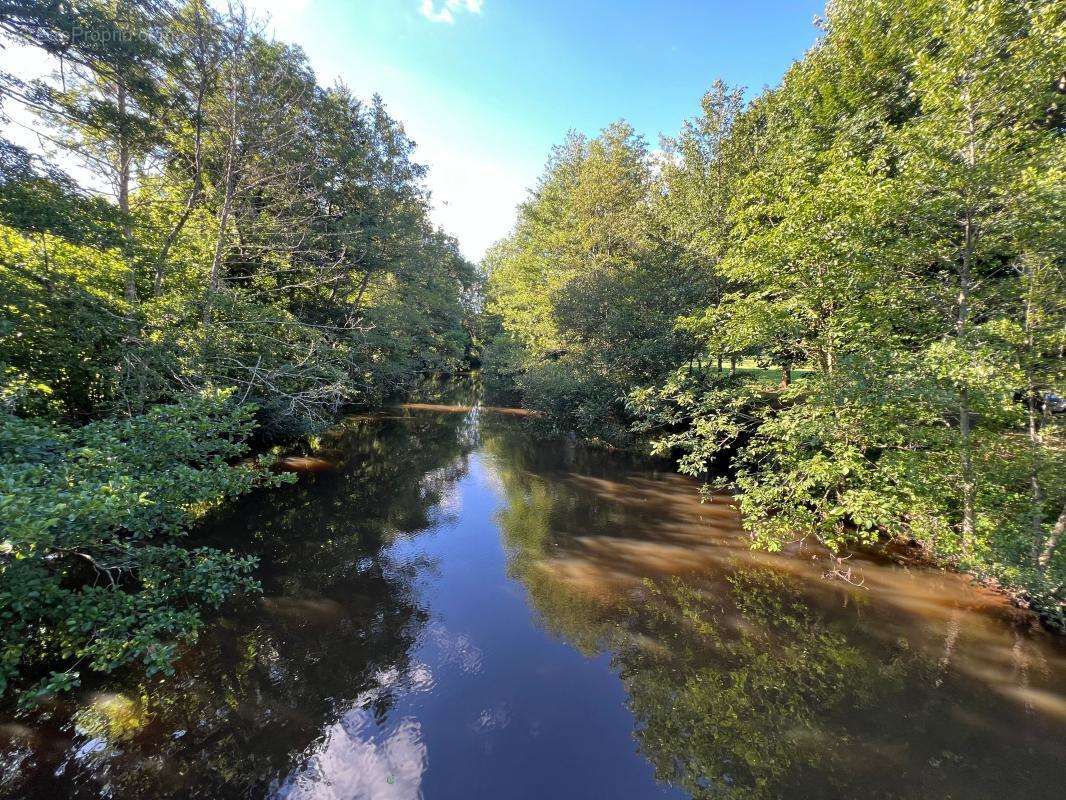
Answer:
(205, 73)
(172, 236)
(1036, 490)
(124, 159)
(965, 268)
(1033, 408)
(214, 278)
(968, 485)
(1052, 542)
(134, 366)
(362, 290)
(190, 203)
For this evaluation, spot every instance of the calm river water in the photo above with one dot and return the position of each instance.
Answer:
(454, 609)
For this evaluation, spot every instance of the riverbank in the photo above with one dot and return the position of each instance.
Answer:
(1047, 609)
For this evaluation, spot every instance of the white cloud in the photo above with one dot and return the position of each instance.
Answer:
(357, 758)
(275, 16)
(474, 193)
(448, 9)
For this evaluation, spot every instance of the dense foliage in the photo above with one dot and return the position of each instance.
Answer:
(586, 291)
(850, 289)
(245, 252)
(92, 571)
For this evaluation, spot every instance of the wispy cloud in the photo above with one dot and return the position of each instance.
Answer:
(447, 9)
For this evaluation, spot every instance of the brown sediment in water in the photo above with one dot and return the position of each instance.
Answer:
(460, 409)
(667, 531)
(675, 509)
(304, 464)
(322, 611)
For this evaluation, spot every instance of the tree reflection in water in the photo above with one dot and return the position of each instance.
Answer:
(740, 701)
(392, 656)
(751, 676)
(328, 643)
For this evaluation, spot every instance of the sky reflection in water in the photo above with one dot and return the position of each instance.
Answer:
(454, 609)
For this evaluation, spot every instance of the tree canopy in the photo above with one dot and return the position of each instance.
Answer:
(842, 299)
(251, 253)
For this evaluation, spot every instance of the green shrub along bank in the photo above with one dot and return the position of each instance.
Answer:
(244, 251)
(95, 574)
(849, 286)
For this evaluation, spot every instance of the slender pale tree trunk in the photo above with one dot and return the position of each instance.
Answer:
(190, 203)
(966, 428)
(362, 290)
(965, 276)
(215, 276)
(172, 236)
(1048, 551)
(1033, 407)
(206, 69)
(124, 169)
(133, 364)
(1036, 489)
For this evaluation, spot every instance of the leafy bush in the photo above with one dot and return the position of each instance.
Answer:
(92, 576)
(578, 398)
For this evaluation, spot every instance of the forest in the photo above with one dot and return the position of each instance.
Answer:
(242, 254)
(841, 300)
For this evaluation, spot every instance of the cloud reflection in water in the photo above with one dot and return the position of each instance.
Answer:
(359, 758)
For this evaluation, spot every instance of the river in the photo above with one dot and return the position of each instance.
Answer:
(453, 608)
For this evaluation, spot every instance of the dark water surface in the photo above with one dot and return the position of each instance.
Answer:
(453, 609)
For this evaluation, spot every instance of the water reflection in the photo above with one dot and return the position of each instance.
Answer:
(360, 756)
(455, 608)
(749, 674)
(313, 666)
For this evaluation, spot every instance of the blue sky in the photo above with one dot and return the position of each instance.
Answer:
(486, 87)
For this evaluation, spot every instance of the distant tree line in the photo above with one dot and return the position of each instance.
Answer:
(845, 296)
(245, 253)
